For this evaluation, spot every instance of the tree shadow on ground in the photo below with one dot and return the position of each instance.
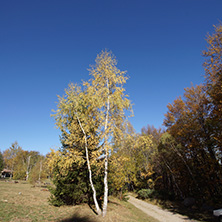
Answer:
(77, 218)
(192, 212)
(114, 203)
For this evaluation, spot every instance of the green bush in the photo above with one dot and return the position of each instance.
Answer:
(69, 189)
(1, 161)
(73, 188)
(146, 193)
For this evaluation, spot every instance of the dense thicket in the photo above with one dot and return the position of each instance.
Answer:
(195, 127)
(185, 160)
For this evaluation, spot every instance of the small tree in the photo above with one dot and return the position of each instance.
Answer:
(70, 183)
(1, 161)
(39, 170)
(10, 156)
(90, 116)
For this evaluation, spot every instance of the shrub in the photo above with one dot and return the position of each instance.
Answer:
(73, 188)
(69, 190)
(146, 193)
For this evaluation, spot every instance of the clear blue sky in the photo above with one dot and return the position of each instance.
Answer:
(45, 45)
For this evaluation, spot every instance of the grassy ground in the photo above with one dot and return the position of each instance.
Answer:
(23, 202)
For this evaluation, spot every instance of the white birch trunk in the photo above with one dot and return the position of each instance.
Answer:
(27, 171)
(106, 189)
(98, 210)
(12, 169)
(105, 200)
(11, 172)
(40, 170)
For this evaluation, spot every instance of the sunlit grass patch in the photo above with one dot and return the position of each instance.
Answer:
(25, 203)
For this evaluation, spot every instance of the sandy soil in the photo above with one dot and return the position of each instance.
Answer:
(157, 212)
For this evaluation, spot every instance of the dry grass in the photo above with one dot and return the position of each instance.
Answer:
(23, 202)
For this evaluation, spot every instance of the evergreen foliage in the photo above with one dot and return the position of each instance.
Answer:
(1, 162)
(73, 188)
(145, 193)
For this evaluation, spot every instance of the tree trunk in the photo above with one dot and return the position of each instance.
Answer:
(167, 165)
(40, 170)
(187, 166)
(98, 210)
(27, 171)
(105, 200)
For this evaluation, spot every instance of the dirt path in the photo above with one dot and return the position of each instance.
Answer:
(157, 212)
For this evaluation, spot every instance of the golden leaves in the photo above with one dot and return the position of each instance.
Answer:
(89, 116)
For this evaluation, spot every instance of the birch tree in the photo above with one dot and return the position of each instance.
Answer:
(10, 155)
(91, 115)
(131, 161)
(28, 167)
(77, 122)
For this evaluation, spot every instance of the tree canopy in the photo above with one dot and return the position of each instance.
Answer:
(91, 115)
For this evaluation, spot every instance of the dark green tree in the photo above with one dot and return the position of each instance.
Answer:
(73, 188)
(1, 161)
